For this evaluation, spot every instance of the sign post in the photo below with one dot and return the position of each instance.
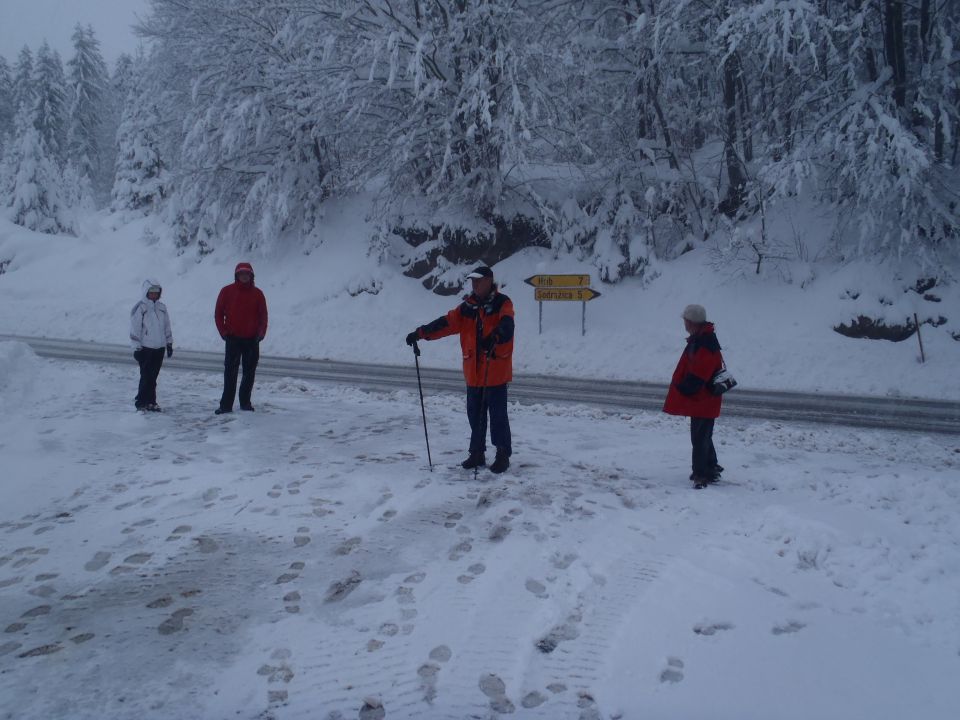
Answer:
(569, 288)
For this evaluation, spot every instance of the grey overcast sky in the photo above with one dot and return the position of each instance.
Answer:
(30, 22)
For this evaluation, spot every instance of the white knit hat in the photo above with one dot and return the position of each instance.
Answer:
(695, 314)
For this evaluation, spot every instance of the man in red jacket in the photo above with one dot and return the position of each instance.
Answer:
(241, 317)
(484, 322)
(690, 393)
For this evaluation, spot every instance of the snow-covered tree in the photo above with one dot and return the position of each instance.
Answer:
(666, 121)
(51, 106)
(23, 88)
(87, 81)
(140, 182)
(7, 110)
(37, 195)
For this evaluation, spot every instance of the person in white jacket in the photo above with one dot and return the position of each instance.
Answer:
(151, 336)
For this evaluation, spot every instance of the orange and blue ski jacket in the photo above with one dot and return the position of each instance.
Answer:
(475, 319)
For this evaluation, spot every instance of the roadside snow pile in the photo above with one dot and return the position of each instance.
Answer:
(18, 370)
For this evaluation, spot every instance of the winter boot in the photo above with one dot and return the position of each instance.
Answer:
(700, 482)
(500, 463)
(248, 407)
(221, 411)
(475, 460)
(153, 407)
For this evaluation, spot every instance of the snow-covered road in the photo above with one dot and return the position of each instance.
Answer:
(888, 413)
(303, 562)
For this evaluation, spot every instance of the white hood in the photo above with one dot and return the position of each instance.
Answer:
(149, 321)
(147, 284)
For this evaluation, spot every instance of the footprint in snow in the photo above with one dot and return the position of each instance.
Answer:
(711, 628)
(537, 588)
(347, 546)
(206, 544)
(174, 623)
(472, 572)
(559, 633)
(291, 599)
(179, 532)
(533, 699)
(496, 690)
(372, 709)
(673, 673)
(290, 576)
(302, 537)
(99, 560)
(788, 628)
(460, 549)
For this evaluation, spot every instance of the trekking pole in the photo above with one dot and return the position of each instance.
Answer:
(416, 359)
(483, 404)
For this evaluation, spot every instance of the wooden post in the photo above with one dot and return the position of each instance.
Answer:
(583, 320)
(916, 321)
(541, 317)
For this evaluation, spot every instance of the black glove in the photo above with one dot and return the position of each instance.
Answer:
(487, 343)
(169, 349)
(413, 337)
(260, 338)
(138, 354)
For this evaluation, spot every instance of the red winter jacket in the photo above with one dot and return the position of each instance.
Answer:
(474, 319)
(241, 309)
(689, 394)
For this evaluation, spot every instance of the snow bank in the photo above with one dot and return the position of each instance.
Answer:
(18, 371)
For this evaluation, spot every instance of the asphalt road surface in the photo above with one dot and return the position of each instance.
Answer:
(901, 414)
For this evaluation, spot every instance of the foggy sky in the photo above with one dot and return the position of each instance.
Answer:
(30, 22)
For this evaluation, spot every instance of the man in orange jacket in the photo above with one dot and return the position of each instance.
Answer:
(484, 321)
(241, 317)
(690, 394)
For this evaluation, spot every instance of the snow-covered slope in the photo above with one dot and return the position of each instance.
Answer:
(332, 300)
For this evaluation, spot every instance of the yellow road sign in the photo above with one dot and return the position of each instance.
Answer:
(575, 294)
(539, 281)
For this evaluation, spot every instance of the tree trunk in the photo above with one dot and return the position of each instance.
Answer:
(895, 51)
(735, 174)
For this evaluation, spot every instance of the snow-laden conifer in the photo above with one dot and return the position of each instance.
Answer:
(51, 104)
(36, 198)
(87, 81)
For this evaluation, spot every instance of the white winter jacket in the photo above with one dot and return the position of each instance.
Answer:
(150, 322)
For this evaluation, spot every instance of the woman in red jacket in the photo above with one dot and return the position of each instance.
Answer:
(241, 317)
(484, 321)
(690, 393)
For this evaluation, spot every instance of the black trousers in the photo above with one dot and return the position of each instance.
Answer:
(151, 359)
(704, 454)
(237, 352)
(491, 401)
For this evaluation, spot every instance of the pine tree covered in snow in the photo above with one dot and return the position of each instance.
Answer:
(37, 195)
(7, 111)
(139, 183)
(23, 89)
(87, 81)
(51, 108)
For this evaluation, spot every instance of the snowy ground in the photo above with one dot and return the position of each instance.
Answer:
(303, 562)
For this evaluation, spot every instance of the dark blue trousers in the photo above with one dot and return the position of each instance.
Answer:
(237, 352)
(704, 454)
(491, 401)
(150, 360)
